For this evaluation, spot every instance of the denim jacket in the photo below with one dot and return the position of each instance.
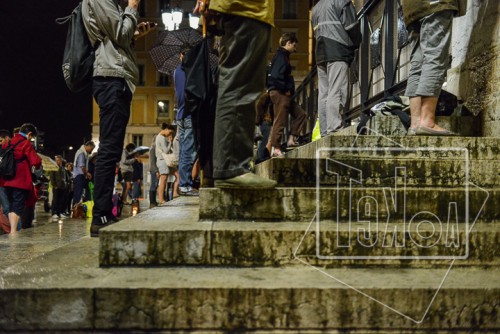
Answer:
(112, 30)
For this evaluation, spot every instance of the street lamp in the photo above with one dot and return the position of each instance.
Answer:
(194, 21)
(172, 18)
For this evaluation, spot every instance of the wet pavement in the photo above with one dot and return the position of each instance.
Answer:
(45, 236)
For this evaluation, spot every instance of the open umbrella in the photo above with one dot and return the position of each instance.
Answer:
(48, 164)
(140, 149)
(169, 44)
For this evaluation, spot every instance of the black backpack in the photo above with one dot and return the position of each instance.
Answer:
(79, 55)
(8, 165)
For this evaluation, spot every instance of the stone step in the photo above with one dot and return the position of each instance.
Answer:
(65, 290)
(301, 204)
(480, 148)
(389, 125)
(173, 236)
(380, 171)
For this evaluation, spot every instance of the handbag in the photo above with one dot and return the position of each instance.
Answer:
(171, 160)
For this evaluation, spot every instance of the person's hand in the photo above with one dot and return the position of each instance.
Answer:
(201, 6)
(143, 29)
(89, 176)
(134, 4)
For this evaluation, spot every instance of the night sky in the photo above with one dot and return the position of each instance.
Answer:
(32, 88)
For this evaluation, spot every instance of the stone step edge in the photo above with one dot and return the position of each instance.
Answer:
(43, 294)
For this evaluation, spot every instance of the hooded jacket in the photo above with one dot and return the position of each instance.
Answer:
(26, 157)
(112, 30)
(414, 10)
(329, 19)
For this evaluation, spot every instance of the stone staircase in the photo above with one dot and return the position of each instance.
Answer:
(417, 253)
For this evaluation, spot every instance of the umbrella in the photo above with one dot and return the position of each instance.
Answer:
(140, 149)
(169, 44)
(48, 164)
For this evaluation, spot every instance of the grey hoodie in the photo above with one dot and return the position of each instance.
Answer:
(112, 29)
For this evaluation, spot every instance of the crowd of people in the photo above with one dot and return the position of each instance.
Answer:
(245, 29)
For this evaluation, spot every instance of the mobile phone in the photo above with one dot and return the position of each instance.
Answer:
(152, 24)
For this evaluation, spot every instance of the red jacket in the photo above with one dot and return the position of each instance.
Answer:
(26, 153)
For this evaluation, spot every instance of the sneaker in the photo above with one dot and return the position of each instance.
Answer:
(54, 216)
(248, 181)
(64, 216)
(190, 192)
(100, 222)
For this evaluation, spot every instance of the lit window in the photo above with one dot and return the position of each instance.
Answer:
(163, 108)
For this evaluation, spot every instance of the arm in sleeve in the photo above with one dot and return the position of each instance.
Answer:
(32, 156)
(119, 28)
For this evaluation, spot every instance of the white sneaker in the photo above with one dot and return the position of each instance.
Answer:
(55, 216)
(63, 216)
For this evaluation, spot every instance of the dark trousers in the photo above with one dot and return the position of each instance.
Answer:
(80, 184)
(242, 66)
(58, 201)
(113, 97)
(283, 105)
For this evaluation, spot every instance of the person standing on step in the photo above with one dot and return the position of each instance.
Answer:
(185, 133)
(281, 88)
(116, 74)
(242, 68)
(429, 24)
(335, 46)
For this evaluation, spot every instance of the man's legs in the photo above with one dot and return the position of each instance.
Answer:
(113, 97)
(243, 58)
(298, 121)
(79, 185)
(322, 98)
(428, 66)
(4, 201)
(281, 104)
(187, 154)
(56, 201)
(338, 81)
(152, 189)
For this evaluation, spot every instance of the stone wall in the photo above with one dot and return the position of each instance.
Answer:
(475, 71)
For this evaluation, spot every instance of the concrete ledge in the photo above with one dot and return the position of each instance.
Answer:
(478, 147)
(237, 299)
(299, 204)
(172, 235)
(377, 171)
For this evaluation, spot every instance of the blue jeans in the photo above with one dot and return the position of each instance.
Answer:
(187, 153)
(4, 201)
